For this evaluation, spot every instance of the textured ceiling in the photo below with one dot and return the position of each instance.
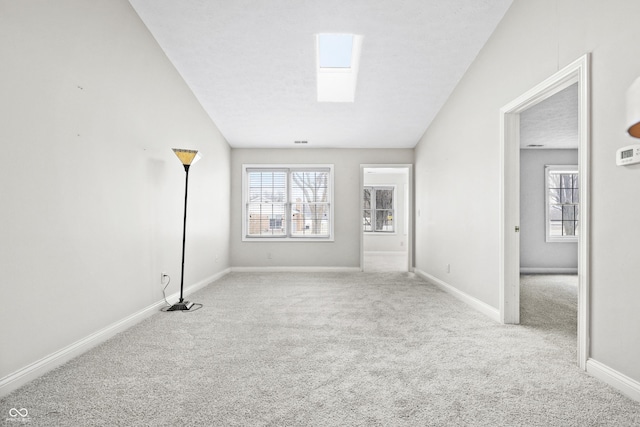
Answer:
(553, 123)
(252, 64)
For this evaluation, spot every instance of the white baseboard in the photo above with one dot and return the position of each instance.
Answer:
(30, 372)
(617, 380)
(295, 269)
(548, 270)
(392, 253)
(482, 307)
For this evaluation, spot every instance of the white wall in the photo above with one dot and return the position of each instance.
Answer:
(535, 251)
(92, 195)
(345, 250)
(397, 241)
(458, 161)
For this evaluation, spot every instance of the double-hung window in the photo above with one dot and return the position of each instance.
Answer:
(562, 204)
(378, 213)
(287, 202)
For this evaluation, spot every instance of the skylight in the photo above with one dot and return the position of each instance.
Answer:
(338, 58)
(334, 50)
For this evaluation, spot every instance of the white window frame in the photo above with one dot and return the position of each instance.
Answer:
(573, 169)
(373, 232)
(289, 168)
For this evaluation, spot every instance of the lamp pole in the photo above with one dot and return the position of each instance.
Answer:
(184, 228)
(187, 157)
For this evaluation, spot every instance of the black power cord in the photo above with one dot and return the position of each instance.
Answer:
(164, 295)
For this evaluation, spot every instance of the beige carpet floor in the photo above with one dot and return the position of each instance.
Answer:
(324, 349)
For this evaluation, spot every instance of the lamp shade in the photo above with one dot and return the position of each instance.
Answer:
(633, 109)
(187, 157)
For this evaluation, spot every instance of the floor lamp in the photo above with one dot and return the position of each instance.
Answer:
(187, 157)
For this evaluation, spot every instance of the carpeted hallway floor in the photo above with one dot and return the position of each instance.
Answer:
(325, 349)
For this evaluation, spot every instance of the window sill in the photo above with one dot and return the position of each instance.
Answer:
(289, 239)
(562, 240)
(380, 233)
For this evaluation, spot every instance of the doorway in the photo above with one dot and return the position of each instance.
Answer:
(509, 279)
(549, 213)
(386, 221)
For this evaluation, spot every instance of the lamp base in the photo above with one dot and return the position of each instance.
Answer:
(184, 305)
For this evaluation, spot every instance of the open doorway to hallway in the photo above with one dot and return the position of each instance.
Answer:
(386, 219)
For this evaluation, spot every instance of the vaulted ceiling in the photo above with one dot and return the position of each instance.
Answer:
(252, 64)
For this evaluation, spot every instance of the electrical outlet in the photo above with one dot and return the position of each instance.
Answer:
(269, 255)
(217, 257)
(448, 268)
(163, 275)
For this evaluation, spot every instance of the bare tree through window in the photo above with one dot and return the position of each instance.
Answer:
(378, 212)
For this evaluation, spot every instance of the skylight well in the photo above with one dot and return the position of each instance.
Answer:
(335, 50)
(337, 66)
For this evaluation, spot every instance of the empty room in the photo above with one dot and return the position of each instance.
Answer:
(320, 213)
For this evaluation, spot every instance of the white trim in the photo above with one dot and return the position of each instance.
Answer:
(295, 269)
(484, 308)
(36, 369)
(624, 384)
(509, 241)
(288, 167)
(548, 270)
(386, 253)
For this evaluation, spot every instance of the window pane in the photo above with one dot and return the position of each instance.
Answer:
(310, 219)
(555, 212)
(384, 220)
(366, 220)
(568, 212)
(308, 187)
(254, 194)
(367, 198)
(266, 219)
(566, 181)
(554, 180)
(267, 187)
(554, 196)
(384, 199)
(568, 228)
(568, 220)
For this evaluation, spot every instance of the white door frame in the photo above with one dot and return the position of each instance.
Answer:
(509, 278)
(409, 168)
